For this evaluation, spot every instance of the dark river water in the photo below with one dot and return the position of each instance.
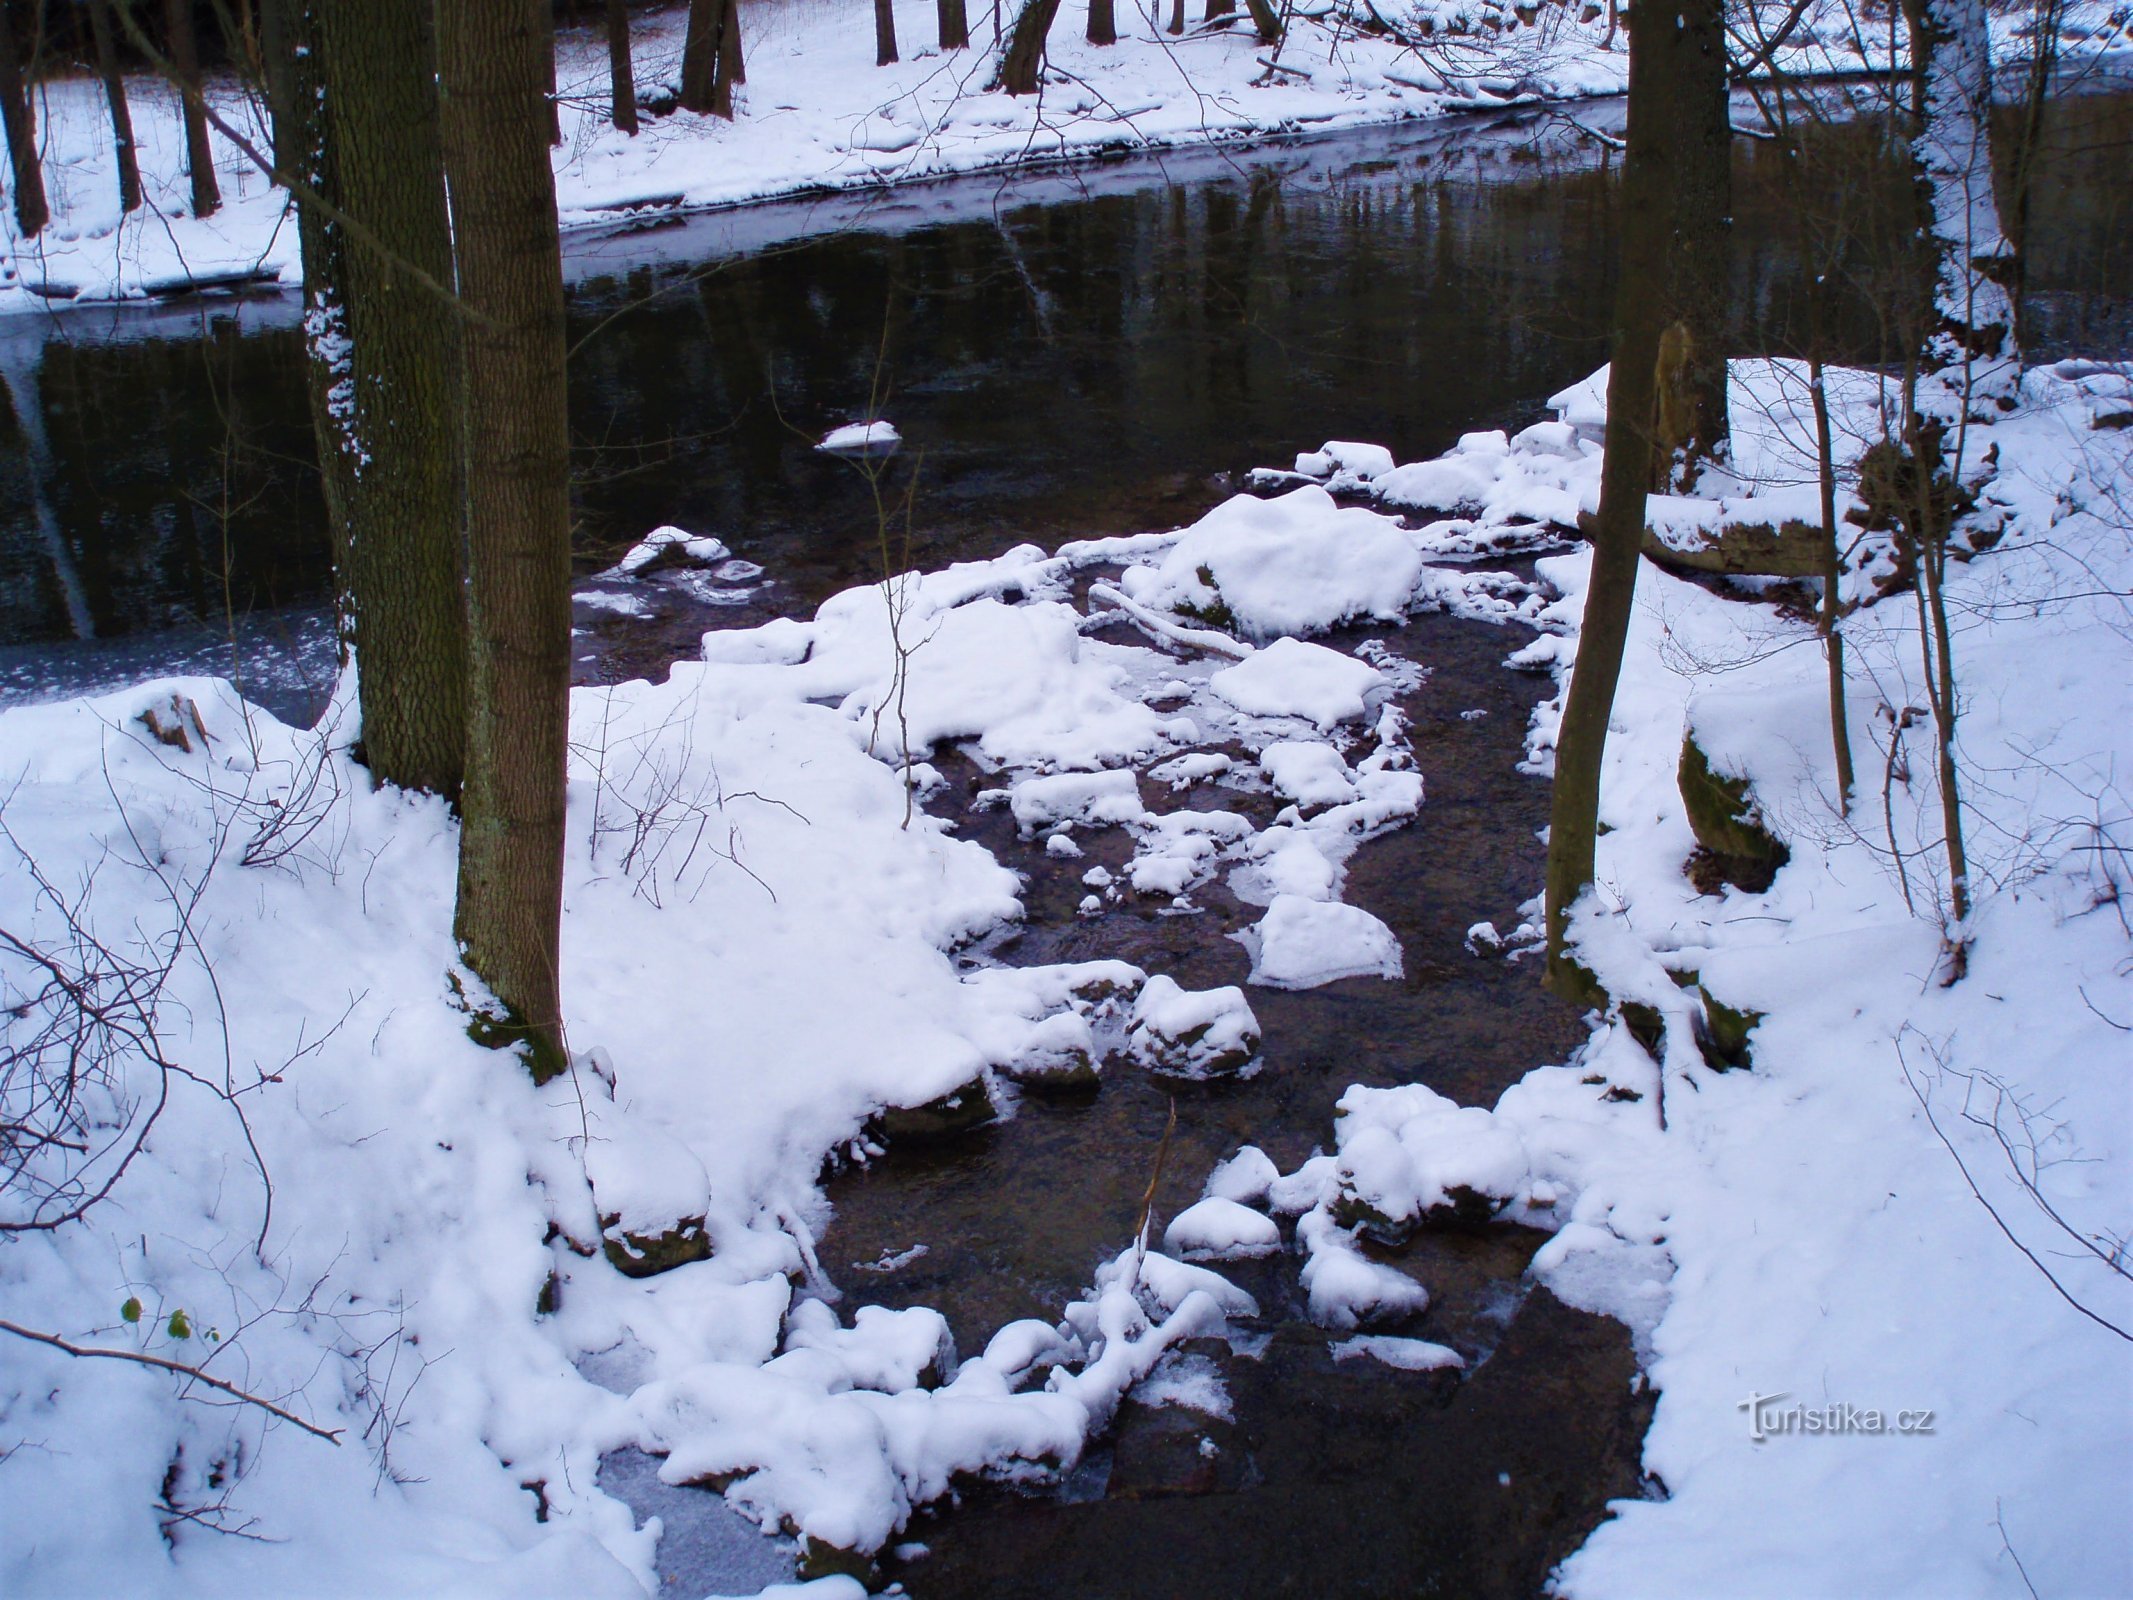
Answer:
(1065, 353)
(1090, 352)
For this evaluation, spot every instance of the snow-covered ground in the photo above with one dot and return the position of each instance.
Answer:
(342, 1205)
(817, 115)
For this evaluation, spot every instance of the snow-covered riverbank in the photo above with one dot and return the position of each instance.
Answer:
(817, 116)
(346, 1207)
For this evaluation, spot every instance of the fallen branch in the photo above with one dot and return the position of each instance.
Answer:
(142, 1358)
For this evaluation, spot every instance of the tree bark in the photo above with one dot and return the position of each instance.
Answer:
(1023, 60)
(1970, 365)
(296, 97)
(107, 68)
(31, 210)
(707, 73)
(884, 33)
(1103, 23)
(1617, 530)
(510, 276)
(185, 69)
(955, 24)
(1219, 8)
(1693, 424)
(621, 73)
(731, 68)
(404, 510)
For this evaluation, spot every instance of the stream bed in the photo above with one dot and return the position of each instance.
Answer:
(1066, 354)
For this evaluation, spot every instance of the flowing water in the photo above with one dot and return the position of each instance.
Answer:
(1090, 352)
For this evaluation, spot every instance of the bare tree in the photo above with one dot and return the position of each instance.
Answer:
(621, 73)
(1022, 60)
(31, 210)
(1103, 23)
(403, 504)
(107, 68)
(185, 73)
(954, 20)
(711, 57)
(884, 32)
(1663, 31)
(491, 77)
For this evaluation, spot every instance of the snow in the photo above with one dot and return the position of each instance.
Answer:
(1192, 1033)
(1405, 1355)
(1301, 943)
(1295, 564)
(1309, 773)
(861, 439)
(1290, 678)
(427, 1273)
(666, 543)
(1215, 1229)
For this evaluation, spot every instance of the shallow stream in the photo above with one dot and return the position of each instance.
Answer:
(1093, 352)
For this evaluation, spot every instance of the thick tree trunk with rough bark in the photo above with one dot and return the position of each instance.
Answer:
(404, 510)
(621, 72)
(1023, 59)
(107, 69)
(884, 32)
(1970, 365)
(185, 68)
(1692, 420)
(31, 210)
(1103, 23)
(954, 20)
(1617, 530)
(491, 78)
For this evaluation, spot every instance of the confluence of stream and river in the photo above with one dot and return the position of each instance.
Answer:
(1067, 354)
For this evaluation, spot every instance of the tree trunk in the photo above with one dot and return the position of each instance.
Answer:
(107, 68)
(1970, 364)
(1617, 531)
(1177, 16)
(1265, 20)
(1023, 59)
(296, 97)
(555, 103)
(1692, 420)
(1103, 23)
(1832, 575)
(31, 211)
(403, 516)
(1219, 8)
(621, 74)
(185, 69)
(509, 916)
(700, 57)
(731, 67)
(955, 24)
(884, 32)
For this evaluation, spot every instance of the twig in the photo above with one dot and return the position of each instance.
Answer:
(330, 1435)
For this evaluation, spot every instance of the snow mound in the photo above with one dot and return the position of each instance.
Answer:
(1300, 944)
(875, 438)
(1296, 564)
(1190, 1033)
(666, 546)
(1290, 678)
(1221, 1230)
(1408, 1154)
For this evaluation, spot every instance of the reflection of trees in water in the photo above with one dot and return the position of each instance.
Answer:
(163, 454)
(1062, 369)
